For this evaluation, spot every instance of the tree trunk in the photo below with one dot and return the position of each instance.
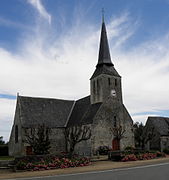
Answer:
(71, 150)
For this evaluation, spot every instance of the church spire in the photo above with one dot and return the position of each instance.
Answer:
(105, 81)
(104, 54)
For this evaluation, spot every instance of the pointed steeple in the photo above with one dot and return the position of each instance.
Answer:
(104, 54)
(105, 79)
(104, 65)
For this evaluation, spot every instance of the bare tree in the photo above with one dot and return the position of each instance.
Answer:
(2, 142)
(76, 134)
(38, 138)
(148, 135)
(139, 135)
(118, 132)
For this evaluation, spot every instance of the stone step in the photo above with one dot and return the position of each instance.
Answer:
(1, 168)
(6, 163)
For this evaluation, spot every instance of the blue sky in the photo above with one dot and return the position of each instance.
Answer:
(17, 16)
(49, 48)
(152, 15)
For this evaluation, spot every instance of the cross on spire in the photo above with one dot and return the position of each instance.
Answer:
(102, 15)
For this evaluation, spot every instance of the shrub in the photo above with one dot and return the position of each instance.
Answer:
(166, 150)
(103, 150)
(21, 165)
(129, 148)
(160, 154)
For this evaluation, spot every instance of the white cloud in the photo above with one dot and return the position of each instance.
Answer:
(7, 22)
(6, 117)
(116, 29)
(61, 68)
(145, 75)
(40, 8)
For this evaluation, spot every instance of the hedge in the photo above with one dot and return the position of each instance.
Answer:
(3, 150)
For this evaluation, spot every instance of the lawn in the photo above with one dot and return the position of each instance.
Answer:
(6, 158)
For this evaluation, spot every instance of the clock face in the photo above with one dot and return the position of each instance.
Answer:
(113, 93)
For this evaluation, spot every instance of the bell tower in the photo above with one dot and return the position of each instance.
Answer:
(105, 80)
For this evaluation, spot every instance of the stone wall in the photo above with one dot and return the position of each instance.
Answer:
(83, 148)
(101, 87)
(104, 121)
(57, 139)
(16, 148)
(128, 139)
(164, 142)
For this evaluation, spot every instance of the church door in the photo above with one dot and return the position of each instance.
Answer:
(116, 144)
(29, 150)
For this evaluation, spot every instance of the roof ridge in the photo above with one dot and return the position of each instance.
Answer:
(158, 117)
(82, 98)
(44, 98)
(70, 113)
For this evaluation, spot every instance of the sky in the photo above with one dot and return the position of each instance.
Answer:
(49, 48)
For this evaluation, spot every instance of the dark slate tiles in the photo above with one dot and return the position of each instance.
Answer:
(52, 112)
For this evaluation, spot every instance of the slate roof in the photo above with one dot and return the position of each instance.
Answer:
(90, 114)
(56, 112)
(104, 54)
(104, 65)
(51, 112)
(110, 70)
(161, 124)
(83, 112)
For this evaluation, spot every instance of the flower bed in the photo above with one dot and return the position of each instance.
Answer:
(133, 155)
(145, 156)
(54, 162)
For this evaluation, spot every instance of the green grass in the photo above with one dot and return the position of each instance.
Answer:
(6, 158)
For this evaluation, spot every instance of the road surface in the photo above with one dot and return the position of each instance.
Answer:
(149, 172)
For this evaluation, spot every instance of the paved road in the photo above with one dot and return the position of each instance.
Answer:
(149, 172)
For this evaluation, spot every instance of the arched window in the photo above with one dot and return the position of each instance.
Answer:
(109, 82)
(97, 83)
(115, 121)
(98, 87)
(94, 87)
(16, 134)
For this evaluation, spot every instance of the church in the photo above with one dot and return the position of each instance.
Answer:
(102, 110)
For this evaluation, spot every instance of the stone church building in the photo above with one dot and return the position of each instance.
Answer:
(102, 110)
